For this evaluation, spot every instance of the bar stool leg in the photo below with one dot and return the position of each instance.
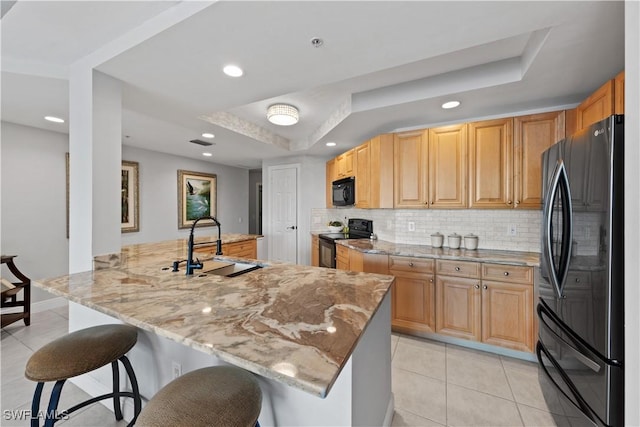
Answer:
(51, 416)
(35, 405)
(116, 390)
(137, 401)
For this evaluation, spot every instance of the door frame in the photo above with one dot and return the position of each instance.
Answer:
(259, 207)
(266, 197)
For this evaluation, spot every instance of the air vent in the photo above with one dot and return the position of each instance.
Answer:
(201, 142)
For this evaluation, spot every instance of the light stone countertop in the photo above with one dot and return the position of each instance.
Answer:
(272, 321)
(531, 259)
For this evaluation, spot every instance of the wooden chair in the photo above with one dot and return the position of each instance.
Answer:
(10, 291)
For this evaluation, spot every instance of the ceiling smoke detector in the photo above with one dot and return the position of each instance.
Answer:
(316, 42)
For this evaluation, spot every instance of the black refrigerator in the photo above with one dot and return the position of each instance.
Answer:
(580, 349)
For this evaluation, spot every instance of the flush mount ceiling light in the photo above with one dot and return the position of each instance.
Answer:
(233, 71)
(330, 144)
(450, 104)
(54, 119)
(208, 135)
(282, 114)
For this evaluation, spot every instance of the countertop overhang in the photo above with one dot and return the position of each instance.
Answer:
(295, 324)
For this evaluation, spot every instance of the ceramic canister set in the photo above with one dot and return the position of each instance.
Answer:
(454, 240)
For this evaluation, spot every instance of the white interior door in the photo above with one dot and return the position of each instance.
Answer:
(283, 241)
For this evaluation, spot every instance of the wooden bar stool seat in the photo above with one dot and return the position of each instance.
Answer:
(78, 353)
(215, 396)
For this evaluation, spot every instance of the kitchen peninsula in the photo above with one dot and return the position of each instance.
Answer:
(318, 339)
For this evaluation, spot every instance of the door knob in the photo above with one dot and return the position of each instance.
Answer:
(293, 227)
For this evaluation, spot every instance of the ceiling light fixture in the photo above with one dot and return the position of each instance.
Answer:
(208, 135)
(233, 71)
(207, 154)
(282, 114)
(330, 144)
(450, 104)
(54, 119)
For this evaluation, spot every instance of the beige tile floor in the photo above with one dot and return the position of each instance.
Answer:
(434, 384)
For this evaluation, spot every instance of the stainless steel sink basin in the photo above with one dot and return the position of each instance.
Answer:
(232, 269)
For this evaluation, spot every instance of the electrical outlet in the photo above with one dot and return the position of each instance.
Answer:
(240, 219)
(512, 230)
(176, 369)
(411, 226)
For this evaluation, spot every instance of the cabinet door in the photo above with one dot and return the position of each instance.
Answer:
(410, 154)
(448, 167)
(363, 177)
(413, 304)
(458, 307)
(532, 136)
(596, 107)
(356, 261)
(491, 164)
(315, 251)
(376, 263)
(619, 93)
(342, 257)
(507, 315)
(330, 177)
(349, 163)
(340, 166)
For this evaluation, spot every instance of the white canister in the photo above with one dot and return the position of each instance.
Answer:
(454, 241)
(437, 240)
(471, 242)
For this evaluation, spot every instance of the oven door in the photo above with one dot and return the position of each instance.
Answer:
(327, 253)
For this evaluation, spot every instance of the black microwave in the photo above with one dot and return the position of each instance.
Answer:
(344, 192)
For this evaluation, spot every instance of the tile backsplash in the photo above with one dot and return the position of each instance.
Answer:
(517, 230)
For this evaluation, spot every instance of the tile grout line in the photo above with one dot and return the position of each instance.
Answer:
(504, 370)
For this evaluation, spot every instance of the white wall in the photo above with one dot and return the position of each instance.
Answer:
(158, 175)
(33, 201)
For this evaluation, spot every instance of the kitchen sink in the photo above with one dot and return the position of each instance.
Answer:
(229, 269)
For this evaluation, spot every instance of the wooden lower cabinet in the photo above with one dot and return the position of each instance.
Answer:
(315, 251)
(342, 257)
(243, 249)
(458, 307)
(413, 294)
(507, 315)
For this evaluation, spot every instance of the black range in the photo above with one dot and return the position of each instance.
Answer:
(358, 229)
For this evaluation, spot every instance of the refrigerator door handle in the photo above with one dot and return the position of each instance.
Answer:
(559, 180)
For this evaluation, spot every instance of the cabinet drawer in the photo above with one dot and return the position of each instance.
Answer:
(413, 265)
(246, 249)
(458, 268)
(507, 273)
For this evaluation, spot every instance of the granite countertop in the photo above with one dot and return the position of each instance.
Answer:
(531, 259)
(295, 324)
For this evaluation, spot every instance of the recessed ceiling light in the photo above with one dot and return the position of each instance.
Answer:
(233, 70)
(208, 135)
(207, 154)
(54, 119)
(331, 144)
(450, 104)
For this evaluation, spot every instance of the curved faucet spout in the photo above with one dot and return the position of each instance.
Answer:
(198, 265)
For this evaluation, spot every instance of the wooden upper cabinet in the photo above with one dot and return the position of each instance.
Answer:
(345, 166)
(330, 177)
(448, 167)
(363, 179)
(532, 136)
(491, 164)
(596, 107)
(619, 93)
(411, 159)
(374, 173)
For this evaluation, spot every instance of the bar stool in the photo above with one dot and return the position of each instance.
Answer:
(213, 396)
(78, 353)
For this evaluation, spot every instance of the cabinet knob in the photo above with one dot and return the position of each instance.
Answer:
(477, 286)
(484, 287)
(431, 280)
(517, 202)
(457, 268)
(577, 280)
(509, 202)
(410, 264)
(506, 273)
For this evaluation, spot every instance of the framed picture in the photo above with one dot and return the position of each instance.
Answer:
(196, 198)
(130, 199)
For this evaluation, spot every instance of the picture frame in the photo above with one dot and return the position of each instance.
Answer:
(130, 197)
(197, 197)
